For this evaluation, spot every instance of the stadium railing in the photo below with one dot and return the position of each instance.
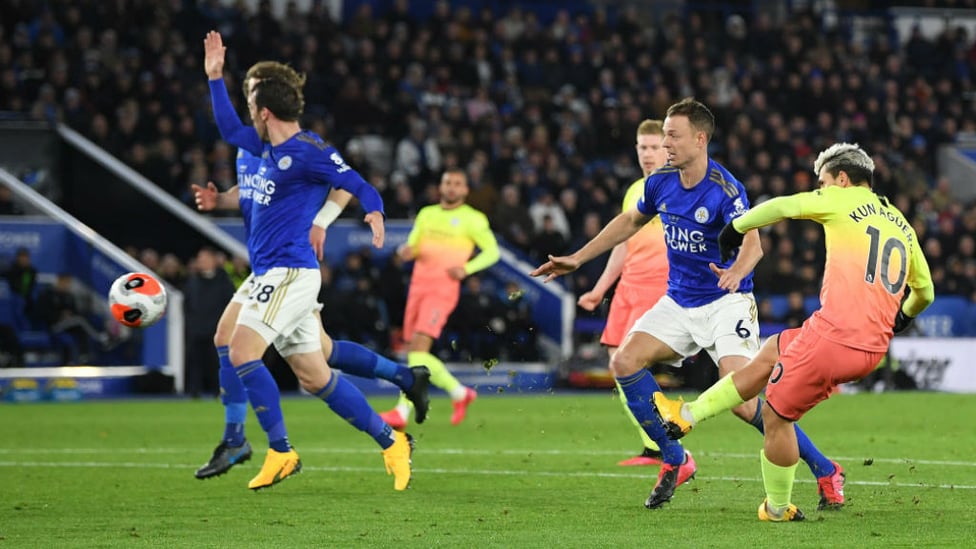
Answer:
(59, 242)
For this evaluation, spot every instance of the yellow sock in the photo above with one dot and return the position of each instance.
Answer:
(716, 399)
(648, 443)
(778, 481)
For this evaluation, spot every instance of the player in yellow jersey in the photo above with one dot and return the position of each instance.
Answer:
(641, 264)
(441, 242)
(872, 254)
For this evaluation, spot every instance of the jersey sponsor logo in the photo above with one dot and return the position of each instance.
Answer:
(256, 188)
(455, 221)
(701, 215)
(685, 240)
(740, 208)
(340, 162)
(284, 163)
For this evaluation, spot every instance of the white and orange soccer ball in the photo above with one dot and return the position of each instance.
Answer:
(137, 300)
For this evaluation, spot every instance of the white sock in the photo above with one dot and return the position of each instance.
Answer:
(404, 410)
(459, 392)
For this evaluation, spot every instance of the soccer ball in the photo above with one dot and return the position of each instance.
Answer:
(137, 300)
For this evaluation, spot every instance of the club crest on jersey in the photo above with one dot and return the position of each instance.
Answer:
(455, 221)
(701, 215)
(284, 162)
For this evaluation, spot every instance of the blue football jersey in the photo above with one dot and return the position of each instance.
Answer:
(247, 169)
(291, 184)
(692, 220)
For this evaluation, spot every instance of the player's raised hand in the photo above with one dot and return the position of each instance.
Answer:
(206, 198)
(213, 58)
(316, 237)
(375, 221)
(556, 266)
(728, 279)
(590, 300)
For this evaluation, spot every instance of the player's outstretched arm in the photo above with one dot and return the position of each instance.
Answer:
(209, 198)
(231, 128)
(619, 229)
(615, 265)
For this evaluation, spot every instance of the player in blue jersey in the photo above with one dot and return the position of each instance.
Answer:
(695, 197)
(296, 172)
(347, 356)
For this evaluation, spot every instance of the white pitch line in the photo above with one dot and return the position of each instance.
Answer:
(467, 451)
(441, 471)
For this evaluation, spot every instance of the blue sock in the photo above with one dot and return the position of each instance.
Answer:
(262, 391)
(359, 361)
(639, 389)
(234, 398)
(349, 403)
(819, 464)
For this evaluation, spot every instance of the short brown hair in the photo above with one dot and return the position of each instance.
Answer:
(650, 127)
(281, 98)
(698, 115)
(274, 69)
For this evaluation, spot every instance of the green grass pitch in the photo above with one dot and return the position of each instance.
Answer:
(522, 471)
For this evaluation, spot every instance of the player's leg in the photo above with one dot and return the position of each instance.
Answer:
(658, 336)
(825, 470)
(233, 447)
(302, 349)
(276, 305)
(651, 454)
(355, 359)
(628, 305)
(736, 335)
(638, 385)
(779, 458)
(809, 370)
(725, 394)
(426, 313)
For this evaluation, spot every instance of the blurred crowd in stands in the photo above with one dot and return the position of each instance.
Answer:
(540, 109)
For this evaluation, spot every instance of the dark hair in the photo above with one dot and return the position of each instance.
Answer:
(857, 174)
(698, 115)
(279, 97)
(273, 69)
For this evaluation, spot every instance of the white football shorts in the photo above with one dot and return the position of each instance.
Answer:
(243, 291)
(280, 308)
(728, 326)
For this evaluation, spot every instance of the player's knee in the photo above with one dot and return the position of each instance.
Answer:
(221, 337)
(242, 354)
(624, 364)
(313, 375)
